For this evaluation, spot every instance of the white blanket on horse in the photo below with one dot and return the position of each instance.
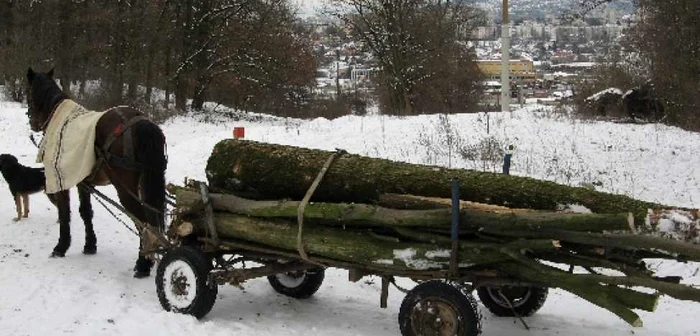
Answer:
(68, 147)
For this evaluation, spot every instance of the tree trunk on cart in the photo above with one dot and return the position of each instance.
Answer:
(473, 216)
(268, 171)
(358, 247)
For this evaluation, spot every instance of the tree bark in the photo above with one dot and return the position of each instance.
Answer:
(363, 215)
(267, 171)
(663, 246)
(360, 247)
(399, 241)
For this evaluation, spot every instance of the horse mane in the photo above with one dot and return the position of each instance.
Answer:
(46, 93)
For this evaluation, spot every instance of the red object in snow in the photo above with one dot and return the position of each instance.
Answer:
(239, 132)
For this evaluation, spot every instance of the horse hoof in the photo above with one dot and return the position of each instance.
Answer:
(56, 254)
(90, 250)
(142, 274)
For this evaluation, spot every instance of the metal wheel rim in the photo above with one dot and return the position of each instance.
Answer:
(180, 284)
(515, 300)
(434, 316)
(291, 279)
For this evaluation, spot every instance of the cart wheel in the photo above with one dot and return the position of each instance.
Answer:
(525, 300)
(181, 282)
(299, 284)
(437, 308)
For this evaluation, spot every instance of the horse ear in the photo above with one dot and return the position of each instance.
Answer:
(30, 74)
(50, 73)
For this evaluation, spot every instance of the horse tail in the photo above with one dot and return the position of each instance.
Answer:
(151, 155)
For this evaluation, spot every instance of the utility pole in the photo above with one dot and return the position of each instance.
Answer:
(505, 59)
(337, 73)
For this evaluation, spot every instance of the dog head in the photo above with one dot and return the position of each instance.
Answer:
(7, 160)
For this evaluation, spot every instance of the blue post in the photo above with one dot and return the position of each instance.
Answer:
(454, 260)
(455, 209)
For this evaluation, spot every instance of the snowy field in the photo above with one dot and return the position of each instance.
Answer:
(96, 295)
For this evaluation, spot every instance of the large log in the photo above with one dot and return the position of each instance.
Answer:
(267, 171)
(361, 248)
(473, 217)
(514, 259)
(512, 250)
(617, 300)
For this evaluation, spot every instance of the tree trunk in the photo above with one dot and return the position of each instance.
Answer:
(363, 215)
(185, 22)
(180, 96)
(168, 81)
(116, 84)
(508, 244)
(199, 94)
(360, 247)
(514, 261)
(64, 50)
(66, 83)
(267, 171)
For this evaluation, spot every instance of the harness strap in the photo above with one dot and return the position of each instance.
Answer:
(127, 160)
(305, 201)
(48, 119)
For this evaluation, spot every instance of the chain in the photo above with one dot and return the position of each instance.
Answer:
(115, 216)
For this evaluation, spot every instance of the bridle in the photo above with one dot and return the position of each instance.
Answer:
(32, 110)
(48, 119)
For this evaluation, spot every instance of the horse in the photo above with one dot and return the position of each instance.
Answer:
(130, 154)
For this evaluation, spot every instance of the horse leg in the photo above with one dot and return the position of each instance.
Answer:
(62, 201)
(86, 214)
(149, 150)
(143, 265)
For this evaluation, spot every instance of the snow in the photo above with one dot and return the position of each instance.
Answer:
(595, 97)
(575, 65)
(408, 258)
(575, 208)
(96, 295)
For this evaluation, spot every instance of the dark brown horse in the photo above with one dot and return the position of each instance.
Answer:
(130, 155)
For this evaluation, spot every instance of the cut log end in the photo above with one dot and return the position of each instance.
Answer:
(637, 323)
(630, 220)
(656, 303)
(185, 229)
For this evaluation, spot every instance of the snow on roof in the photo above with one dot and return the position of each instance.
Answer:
(562, 74)
(598, 95)
(626, 94)
(575, 65)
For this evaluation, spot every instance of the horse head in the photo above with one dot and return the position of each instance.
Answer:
(43, 95)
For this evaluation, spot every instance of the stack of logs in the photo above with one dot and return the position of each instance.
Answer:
(395, 218)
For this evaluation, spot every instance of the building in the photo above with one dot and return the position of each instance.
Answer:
(520, 70)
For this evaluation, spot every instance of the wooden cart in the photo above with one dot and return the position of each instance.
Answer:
(190, 272)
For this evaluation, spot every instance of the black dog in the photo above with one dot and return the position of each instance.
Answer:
(23, 181)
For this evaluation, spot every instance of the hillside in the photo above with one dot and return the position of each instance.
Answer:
(96, 295)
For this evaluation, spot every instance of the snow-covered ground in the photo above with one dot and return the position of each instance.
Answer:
(96, 295)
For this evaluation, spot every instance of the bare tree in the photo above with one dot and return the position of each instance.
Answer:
(180, 46)
(662, 49)
(667, 35)
(415, 42)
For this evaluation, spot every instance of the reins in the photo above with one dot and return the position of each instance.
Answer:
(102, 160)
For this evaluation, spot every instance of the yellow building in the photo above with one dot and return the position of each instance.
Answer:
(519, 69)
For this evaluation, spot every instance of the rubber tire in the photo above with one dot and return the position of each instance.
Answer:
(533, 303)
(457, 296)
(309, 286)
(201, 266)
